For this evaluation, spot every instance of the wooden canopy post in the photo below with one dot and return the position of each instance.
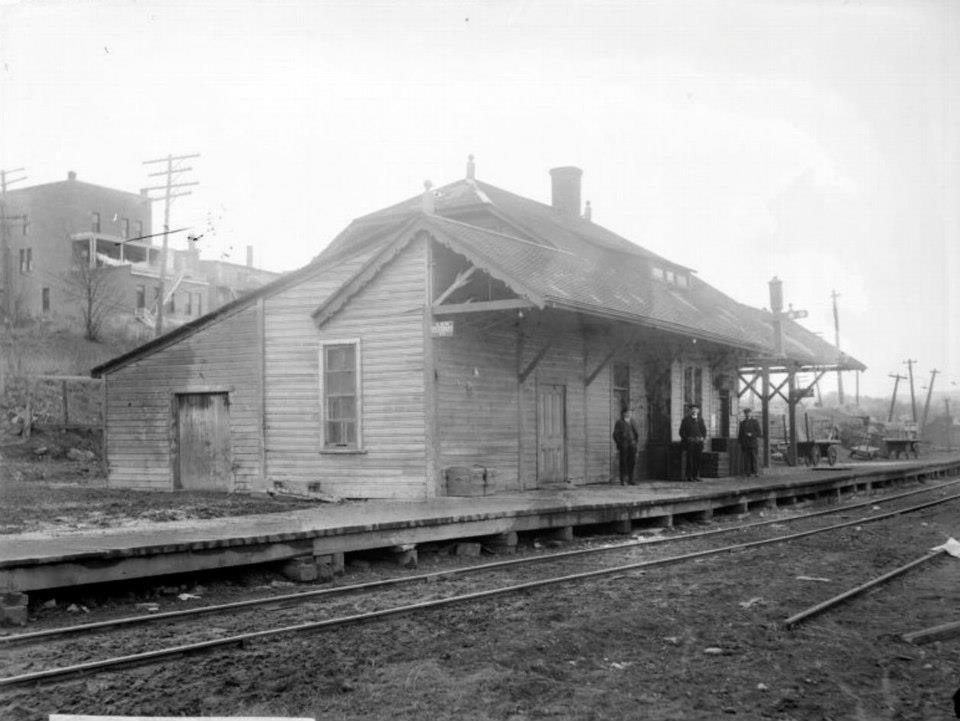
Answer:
(765, 415)
(792, 399)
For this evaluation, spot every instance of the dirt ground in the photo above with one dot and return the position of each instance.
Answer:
(702, 640)
(50, 492)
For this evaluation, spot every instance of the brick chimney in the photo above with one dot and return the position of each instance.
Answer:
(566, 190)
(71, 175)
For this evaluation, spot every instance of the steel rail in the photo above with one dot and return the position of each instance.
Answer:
(241, 639)
(291, 598)
(840, 598)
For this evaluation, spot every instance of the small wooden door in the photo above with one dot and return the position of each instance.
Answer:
(203, 442)
(552, 434)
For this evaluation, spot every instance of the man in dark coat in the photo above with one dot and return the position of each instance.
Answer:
(626, 436)
(749, 440)
(693, 432)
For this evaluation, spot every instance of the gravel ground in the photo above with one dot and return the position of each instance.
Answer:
(703, 640)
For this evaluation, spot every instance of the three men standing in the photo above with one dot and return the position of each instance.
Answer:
(626, 436)
(693, 432)
(748, 438)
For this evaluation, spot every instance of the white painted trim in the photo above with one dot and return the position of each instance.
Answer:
(358, 365)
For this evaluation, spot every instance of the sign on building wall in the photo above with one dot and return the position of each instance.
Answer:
(442, 329)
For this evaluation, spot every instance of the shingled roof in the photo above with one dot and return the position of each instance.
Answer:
(574, 264)
(553, 261)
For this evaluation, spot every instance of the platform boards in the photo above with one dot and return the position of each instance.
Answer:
(35, 561)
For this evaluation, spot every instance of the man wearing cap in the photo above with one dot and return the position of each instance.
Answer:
(748, 438)
(693, 432)
(626, 436)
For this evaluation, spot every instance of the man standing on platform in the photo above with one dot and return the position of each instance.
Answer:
(626, 436)
(693, 432)
(749, 441)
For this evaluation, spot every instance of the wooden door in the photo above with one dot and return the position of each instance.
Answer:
(203, 442)
(551, 434)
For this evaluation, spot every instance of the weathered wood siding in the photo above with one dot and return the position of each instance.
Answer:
(140, 403)
(476, 395)
(710, 411)
(387, 317)
(600, 417)
(561, 365)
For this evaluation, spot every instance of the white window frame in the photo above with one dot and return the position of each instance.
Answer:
(324, 344)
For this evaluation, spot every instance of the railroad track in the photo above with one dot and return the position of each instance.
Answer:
(226, 639)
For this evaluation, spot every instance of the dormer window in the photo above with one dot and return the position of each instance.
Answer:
(677, 278)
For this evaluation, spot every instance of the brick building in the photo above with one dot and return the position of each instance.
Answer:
(56, 233)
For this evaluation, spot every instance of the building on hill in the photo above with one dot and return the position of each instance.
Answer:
(72, 245)
(466, 341)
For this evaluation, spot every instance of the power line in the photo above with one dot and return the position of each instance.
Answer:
(168, 195)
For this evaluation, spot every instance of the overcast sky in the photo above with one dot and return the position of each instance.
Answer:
(815, 141)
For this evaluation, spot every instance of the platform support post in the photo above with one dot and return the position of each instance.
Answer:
(623, 526)
(503, 544)
(406, 555)
(765, 415)
(301, 569)
(13, 609)
(329, 565)
(563, 533)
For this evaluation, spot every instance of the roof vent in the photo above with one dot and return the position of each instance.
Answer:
(471, 168)
(588, 212)
(72, 175)
(427, 199)
(566, 190)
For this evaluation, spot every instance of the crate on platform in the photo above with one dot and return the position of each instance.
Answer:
(469, 481)
(715, 465)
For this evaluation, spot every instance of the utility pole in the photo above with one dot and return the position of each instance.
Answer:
(168, 194)
(948, 423)
(858, 389)
(836, 336)
(913, 398)
(893, 401)
(6, 271)
(926, 405)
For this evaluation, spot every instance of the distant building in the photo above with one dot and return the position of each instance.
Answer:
(56, 231)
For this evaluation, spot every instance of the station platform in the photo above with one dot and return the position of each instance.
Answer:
(30, 562)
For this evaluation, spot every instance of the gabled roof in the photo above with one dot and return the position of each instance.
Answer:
(552, 261)
(528, 218)
(285, 281)
(600, 283)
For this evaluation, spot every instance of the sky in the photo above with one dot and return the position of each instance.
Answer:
(813, 140)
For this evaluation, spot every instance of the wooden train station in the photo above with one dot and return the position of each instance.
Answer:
(464, 342)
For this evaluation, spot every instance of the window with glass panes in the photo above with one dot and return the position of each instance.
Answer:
(340, 386)
(693, 386)
(621, 386)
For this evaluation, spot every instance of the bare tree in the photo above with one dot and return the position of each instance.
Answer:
(97, 290)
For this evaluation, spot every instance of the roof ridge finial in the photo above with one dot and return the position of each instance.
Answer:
(471, 168)
(427, 199)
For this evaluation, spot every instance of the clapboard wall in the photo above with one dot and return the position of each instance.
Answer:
(141, 402)
(387, 317)
(476, 379)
